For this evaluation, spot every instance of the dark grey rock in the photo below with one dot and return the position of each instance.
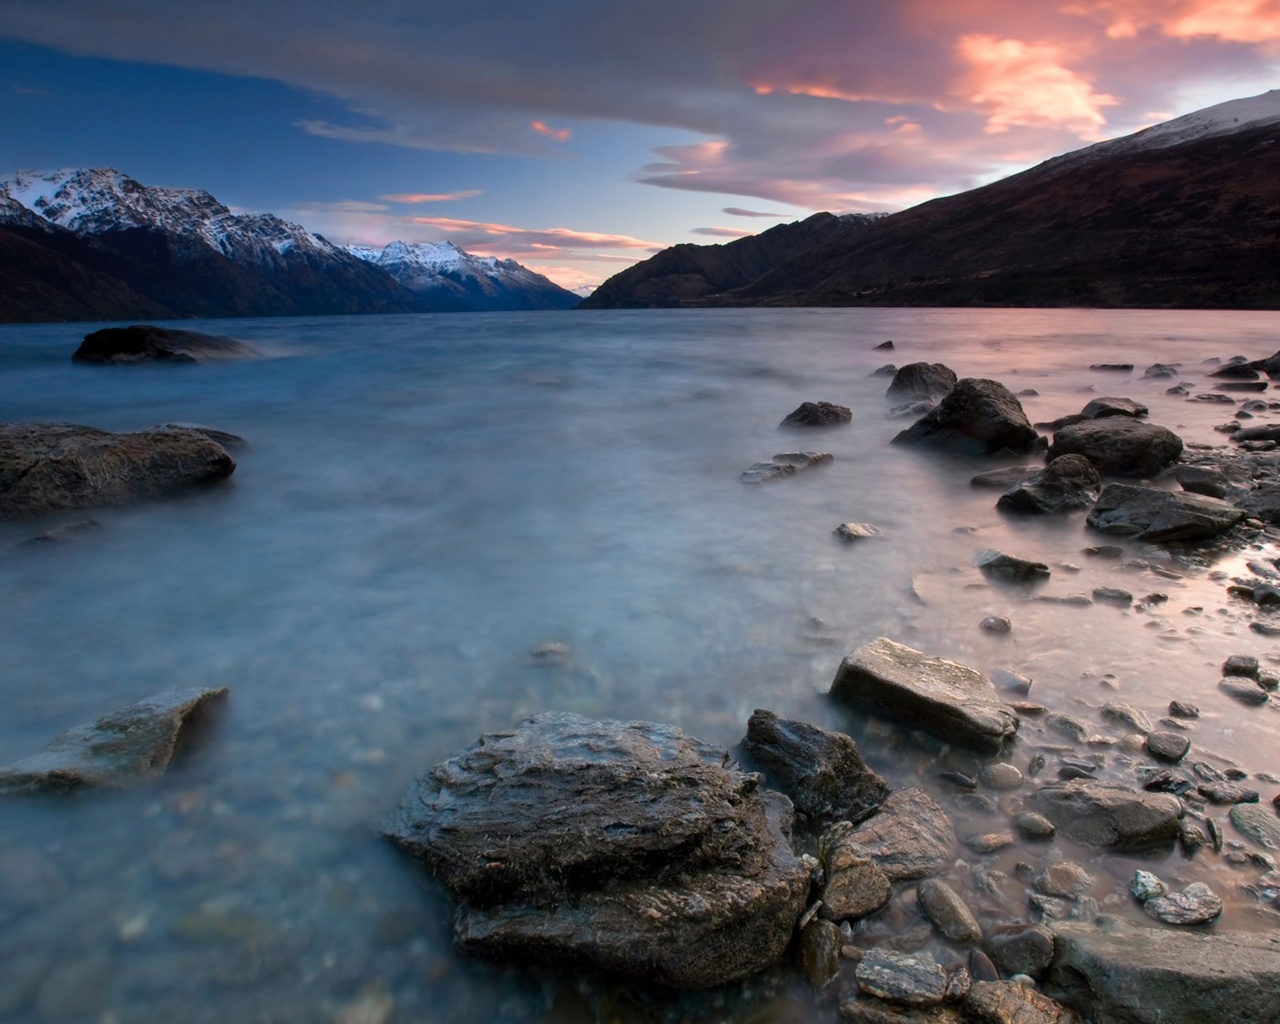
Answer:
(1203, 480)
(1159, 516)
(981, 968)
(54, 467)
(1246, 691)
(1001, 776)
(822, 772)
(854, 885)
(1265, 432)
(1196, 904)
(911, 836)
(1119, 446)
(1241, 665)
(145, 343)
(1181, 709)
(1161, 370)
(1004, 478)
(626, 847)
(887, 370)
(950, 700)
(1008, 1002)
(1263, 502)
(1067, 725)
(1235, 371)
(1226, 793)
(916, 979)
(1257, 823)
(1100, 408)
(885, 345)
(1126, 716)
(996, 624)
(1108, 815)
(1022, 949)
(783, 464)
(1112, 367)
(820, 943)
(1068, 483)
(1010, 567)
(921, 381)
(977, 416)
(123, 748)
(1168, 746)
(1113, 595)
(948, 911)
(817, 414)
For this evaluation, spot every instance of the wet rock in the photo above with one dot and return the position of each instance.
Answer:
(948, 911)
(1264, 503)
(1005, 477)
(1033, 826)
(1099, 408)
(921, 382)
(950, 700)
(1181, 709)
(1154, 515)
(1107, 815)
(1119, 446)
(981, 968)
(916, 979)
(855, 886)
(980, 417)
(1168, 746)
(1113, 595)
(145, 343)
(997, 624)
(990, 842)
(54, 467)
(820, 943)
(1126, 716)
(822, 772)
(1241, 665)
(817, 414)
(1010, 567)
(1246, 691)
(1235, 371)
(856, 531)
(1112, 367)
(1067, 483)
(1258, 824)
(1161, 370)
(887, 370)
(1265, 432)
(1063, 878)
(1001, 776)
(123, 748)
(1190, 836)
(1067, 725)
(1196, 904)
(1203, 480)
(783, 464)
(885, 345)
(1009, 1002)
(869, 1010)
(1022, 949)
(619, 846)
(1224, 793)
(911, 836)
(1146, 886)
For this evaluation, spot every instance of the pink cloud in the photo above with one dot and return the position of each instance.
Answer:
(554, 237)
(559, 134)
(738, 211)
(432, 197)
(721, 232)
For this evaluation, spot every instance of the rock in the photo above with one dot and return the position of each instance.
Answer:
(626, 847)
(950, 700)
(1009, 1002)
(1265, 432)
(981, 968)
(1224, 794)
(1168, 746)
(53, 467)
(885, 344)
(855, 885)
(1203, 480)
(1246, 691)
(820, 943)
(1107, 815)
(1181, 709)
(1137, 975)
(1063, 878)
(916, 979)
(1161, 370)
(1235, 371)
(887, 370)
(1241, 665)
(911, 836)
(920, 382)
(822, 772)
(980, 417)
(126, 747)
(1001, 776)
(817, 414)
(1146, 886)
(1264, 503)
(144, 343)
(1022, 949)
(996, 624)
(783, 464)
(1126, 716)
(1005, 477)
(990, 842)
(1113, 595)
(1196, 904)
(1033, 826)
(1067, 725)
(1067, 483)
(1119, 446)
(1158, 516)
(948, 911)
(1113, 367)
(1010, 567)
(1102, 407)
(869, 1010)
(1258, 824)
(856, 531)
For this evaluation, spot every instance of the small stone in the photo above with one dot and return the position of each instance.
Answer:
(1010, 567)
(1067, 725)
(1022, 949)
(981, 968)
(1195, 904)
(1190, 836)
(1001, 776)
(820, 943)
(1246, 691)
(911, 978)
(995, 624)
(1241, 665)
(1128, 716)
(1168, 746)
(1064, 878)
(948, 911)
(855, 884)
(1113, 595)
(1182, 709)
(1104, 551)
(1146, 886)
(856, 531)
(1033, 826)
(990, 842)
(1223, 793)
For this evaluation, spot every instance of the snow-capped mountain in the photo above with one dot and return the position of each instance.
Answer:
(450, 274)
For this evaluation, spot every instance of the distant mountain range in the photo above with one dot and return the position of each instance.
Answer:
(97, 245)
(1182, 214)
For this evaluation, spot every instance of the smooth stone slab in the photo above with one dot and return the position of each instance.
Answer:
(916, 979)
(1258, 823)
(911, 836)
(783, 464)
(1196, 904)
(948, 912)
(953, 701)
(1107, 815)
(1158, 516)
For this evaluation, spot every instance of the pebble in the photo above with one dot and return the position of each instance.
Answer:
(1064, 878)
(1241, 665)
(996, 624)
(1126, 715)
(1001, 776)
(948, 911)
(1244, 690)
(1036, 765)
(1195, 904)
(1146, 886)
(990, 842)
(1067, 725)
(1034, 826)
(1113, 595)
(1168, 746)
(1182, 709)
(916, 979)
(981, 968)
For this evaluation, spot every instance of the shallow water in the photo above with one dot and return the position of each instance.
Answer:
(424, 500)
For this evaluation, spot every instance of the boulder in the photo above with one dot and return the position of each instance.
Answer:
(1010, 567)
(952, 701)
(977, 416)
(1102, 407)
(1196, 904)
(822, 772)
(1022, 949)
(54, 467)
(1154, 515)
(817, 414)
(910, 837)
(1003, 478)
(619, 846)
(948, 912)
(1066, 484)
(1108, 815)
(1009, 1002)
(919, 382)
(1257, 823)
(1270, 366)
(783, 464)
(145, 343)
(1266, 432)
(1264, 503)
(1126, 974)
(1203, 480)
(126, 747)
(1119, 445)
(854, 884)
(916, 979)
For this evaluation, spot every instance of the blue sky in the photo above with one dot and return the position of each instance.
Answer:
(579, 137)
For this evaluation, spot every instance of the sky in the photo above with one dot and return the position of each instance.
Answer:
(580, 136)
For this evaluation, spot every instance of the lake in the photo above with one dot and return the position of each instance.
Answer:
(422, 504)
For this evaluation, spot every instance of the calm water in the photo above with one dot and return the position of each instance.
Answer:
(423, 501)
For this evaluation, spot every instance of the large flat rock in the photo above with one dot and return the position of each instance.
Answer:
(1119, 445)
(952, 701)
(1126, 974)
(977, 417)
(146, 343)
(910, 837)
(1148, 513)
(1108, 815)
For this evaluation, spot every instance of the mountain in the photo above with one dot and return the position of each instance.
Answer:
(1183, 214)
(690, 275)
(449, 278)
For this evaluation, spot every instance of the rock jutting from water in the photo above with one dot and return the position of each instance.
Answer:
(1010, 567)
(55, 467)
(620, 846)
(1109, 815)
(1068, 483)
(977, 417)
(126, 747)
(1119, 445)
(1147, 513)
(952, 701)
(921, 382)
(910, 836)
(817, 414)
(145, 343)
(854, 885)
(783, 464)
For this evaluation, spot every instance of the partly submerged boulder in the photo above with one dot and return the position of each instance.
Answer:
(1150, 514)
(53, 467)
(1119, 445)
(620, 846)
(145, 343)
(125, 747)
(817, 414)
(979, 417)
(783, 464)
(920, 382)
(952, 701)
(1099, 408)
(1066, 484)
(1109, 815)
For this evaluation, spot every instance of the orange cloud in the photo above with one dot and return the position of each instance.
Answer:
(546, 237)
(559, 134)
(1026, 84)
(1232, 21)
(432, 197)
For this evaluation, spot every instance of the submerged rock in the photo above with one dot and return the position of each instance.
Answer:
(783, 464)
(1099, 408)
(1069, 482)
(53, 467)
(953, 701)
(1022, 949)
(1158, 516)
(1257, 823)
(123, 748)
(1108, 815)
(1119, 445)
(948, 912)
(916, 979)
(145, 343)
(1009, 1002)
(1196, 904)
(620, 846)
(918, 382)
(855, 885)
(911, 836)
(1010, 567)
(822, 772)
(977, 416)
(817, 414)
